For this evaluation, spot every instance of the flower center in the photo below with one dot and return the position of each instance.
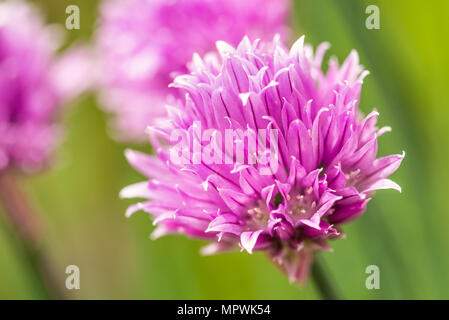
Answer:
(300, 205)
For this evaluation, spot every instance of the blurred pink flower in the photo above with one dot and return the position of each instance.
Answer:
(143, 43)
(30, 93)
(327, 167)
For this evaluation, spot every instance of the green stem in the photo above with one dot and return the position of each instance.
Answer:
(322, 281)
(26, 229)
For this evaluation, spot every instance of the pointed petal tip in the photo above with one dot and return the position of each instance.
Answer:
(129, 154)
(123, 194)
(129, 212)
(133, 209)
(384, 184)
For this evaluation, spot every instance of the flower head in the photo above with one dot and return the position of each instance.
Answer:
(29, 94)
(326, 167)
(142, 43)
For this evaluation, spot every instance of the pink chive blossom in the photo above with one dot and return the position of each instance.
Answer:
(327, 172)
(143, 43)
(30, 96)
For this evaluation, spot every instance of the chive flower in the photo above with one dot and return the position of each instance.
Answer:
(312, 168)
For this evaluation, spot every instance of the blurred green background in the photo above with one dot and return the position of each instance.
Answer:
(406, 234)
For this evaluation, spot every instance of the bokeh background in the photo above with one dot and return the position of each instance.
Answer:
(406, 234)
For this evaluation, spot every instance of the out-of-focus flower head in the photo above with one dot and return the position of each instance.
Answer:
(143, 43)
(325, 168)
(31, 88)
